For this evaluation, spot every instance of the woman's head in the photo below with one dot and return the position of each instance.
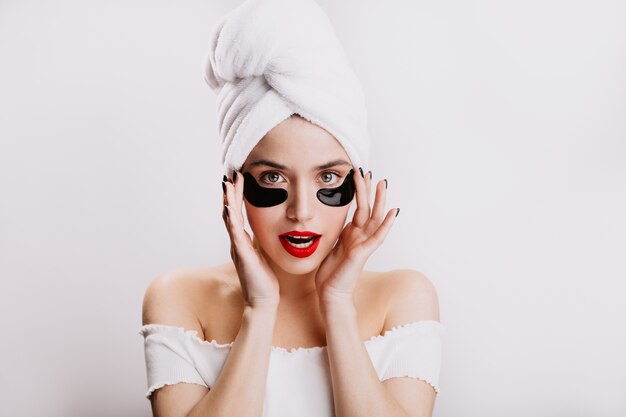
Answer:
(301, 158)
(268, 59)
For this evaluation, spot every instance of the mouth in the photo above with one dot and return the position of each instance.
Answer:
(300, 244)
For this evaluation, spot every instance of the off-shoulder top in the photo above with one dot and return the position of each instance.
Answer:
(298, 381)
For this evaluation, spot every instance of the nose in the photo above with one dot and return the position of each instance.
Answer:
(300, 203)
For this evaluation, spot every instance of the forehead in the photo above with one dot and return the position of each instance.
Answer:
(298, 141)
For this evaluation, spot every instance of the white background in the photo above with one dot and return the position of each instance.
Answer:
(501, 127)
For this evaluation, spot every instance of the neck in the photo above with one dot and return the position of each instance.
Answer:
(293, 287)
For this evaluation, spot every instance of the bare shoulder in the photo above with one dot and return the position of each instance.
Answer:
(409, 295)
(180, 297)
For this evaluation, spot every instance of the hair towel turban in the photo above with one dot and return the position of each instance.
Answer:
(269, 59)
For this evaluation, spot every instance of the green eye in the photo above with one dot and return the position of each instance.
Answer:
(328, 177)
(271, 177)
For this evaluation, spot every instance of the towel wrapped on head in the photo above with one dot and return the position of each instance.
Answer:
(269, 59)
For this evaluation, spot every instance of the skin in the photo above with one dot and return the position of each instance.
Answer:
(266, 297)
(286, 145)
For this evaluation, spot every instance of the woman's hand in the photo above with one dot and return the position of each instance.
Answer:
(337, 276)
(258, 283)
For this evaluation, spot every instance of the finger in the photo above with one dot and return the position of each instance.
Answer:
(376, 239)
(238, 235)
(233, 191)
(238, 182)
(224, 200)
(237, 200)
(227, 225)
(378, 211)
(235, 217)
(368, 184)
(362, 212)
(225, 217)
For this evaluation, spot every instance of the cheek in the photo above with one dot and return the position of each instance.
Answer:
(337, 219)
(260, 219)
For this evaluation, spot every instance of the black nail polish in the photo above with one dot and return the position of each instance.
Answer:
(224, 187)
(234, 176)
(398, 212)
(224, 178)
(361, 171)
(386, 184)
(226, 210)
(370, 175)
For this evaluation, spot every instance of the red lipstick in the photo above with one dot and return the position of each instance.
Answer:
(300, 244)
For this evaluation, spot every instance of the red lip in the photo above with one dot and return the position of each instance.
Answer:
(299, 252)
(297, 233)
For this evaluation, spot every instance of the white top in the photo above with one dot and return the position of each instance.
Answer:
(298, 381)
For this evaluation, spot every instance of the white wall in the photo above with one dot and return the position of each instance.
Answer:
(500, 126)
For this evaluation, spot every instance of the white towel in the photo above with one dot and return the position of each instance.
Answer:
(269, 59)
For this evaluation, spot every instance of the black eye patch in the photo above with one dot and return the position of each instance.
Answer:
(260, 196)
(339, 196)
(268, 197)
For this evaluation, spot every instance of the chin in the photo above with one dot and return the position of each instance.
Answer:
(294, 265)
(298, 266)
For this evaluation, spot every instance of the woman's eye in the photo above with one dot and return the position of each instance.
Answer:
(271, 177)
(328, 177)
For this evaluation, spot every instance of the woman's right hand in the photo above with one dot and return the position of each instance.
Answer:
(259, 285)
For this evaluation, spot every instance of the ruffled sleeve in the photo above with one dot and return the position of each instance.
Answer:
(169, 357)
(411, 350)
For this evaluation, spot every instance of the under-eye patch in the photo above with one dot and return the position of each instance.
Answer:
(268, 197)
(339, 196)
(260, 196)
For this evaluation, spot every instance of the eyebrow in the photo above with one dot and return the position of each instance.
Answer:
(276, 165)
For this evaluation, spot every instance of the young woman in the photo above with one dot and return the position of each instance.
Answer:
(293, 325)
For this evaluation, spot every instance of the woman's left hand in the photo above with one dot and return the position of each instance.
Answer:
(338, 273)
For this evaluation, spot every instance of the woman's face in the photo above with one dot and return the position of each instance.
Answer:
(300, 157)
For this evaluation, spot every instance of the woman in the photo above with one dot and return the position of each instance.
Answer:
(293, 325)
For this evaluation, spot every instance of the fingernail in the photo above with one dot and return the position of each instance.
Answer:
(224, 178)
(224, 187)
(370, 175)
(361, 171)
(226, 210)
(234, 176)
(398, 212)
(386, 184)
